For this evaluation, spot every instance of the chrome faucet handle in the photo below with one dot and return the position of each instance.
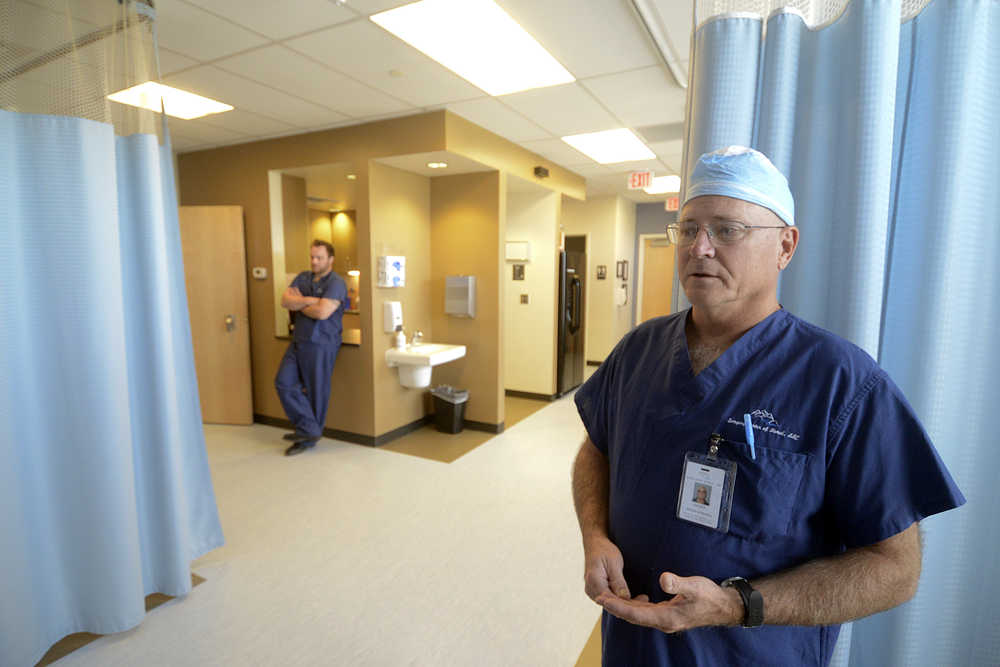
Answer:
(418, 336)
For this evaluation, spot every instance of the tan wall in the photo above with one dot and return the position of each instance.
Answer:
(401, 225)
(467, 232)
(530, 329)
(238, 175)
(295, 220)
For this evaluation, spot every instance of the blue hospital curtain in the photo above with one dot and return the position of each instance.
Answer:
(885, 118)
(105, 493)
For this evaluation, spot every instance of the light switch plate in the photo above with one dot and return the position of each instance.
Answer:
(259, 272)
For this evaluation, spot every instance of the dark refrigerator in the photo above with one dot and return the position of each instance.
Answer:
(570, 361)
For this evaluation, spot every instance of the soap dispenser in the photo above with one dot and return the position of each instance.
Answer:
(400, 337)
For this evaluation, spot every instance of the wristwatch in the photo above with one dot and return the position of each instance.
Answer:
(753, 601)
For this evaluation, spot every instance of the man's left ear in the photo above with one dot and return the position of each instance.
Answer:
(789, 241)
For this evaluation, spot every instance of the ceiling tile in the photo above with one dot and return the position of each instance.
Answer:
(398, 69)
(198, 34)
(588, 38)
(250, 96)
(197, 130)
(293, 73)
(645, 96)
(489, 113)
(562, 110)
(171, 62)
(670, 153)
(655, 166)
(369, 7)
(277, 21)
(590, 170)
(248, 123)
(558, 151)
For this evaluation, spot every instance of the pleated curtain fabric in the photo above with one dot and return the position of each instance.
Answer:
(889, 134)
(105, 491)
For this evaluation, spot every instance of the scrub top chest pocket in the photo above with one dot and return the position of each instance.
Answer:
(766, 491)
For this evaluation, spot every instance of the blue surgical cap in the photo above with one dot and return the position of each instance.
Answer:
(742, 173)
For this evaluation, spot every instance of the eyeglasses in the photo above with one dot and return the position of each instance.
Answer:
(721, 232)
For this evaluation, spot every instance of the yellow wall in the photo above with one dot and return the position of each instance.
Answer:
(530, 329)
(401, 225)
(467, 233)
(625, 249)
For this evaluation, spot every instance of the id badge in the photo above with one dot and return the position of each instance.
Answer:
(706, 490)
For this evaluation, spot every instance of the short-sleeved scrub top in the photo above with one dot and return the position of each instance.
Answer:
(841, 461)
(323, 332)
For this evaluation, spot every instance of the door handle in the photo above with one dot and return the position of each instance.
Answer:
(230, 323)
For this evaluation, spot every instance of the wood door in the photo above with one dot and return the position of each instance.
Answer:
(657, 278)
(215, 274)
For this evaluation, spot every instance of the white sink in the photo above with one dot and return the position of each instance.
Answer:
(415, 361)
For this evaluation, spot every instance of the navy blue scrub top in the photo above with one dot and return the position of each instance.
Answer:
(323, 332)
(842, 461)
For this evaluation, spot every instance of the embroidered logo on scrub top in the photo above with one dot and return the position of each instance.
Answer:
(765, 422)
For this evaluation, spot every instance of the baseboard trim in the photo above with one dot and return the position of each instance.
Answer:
(484, 426)
(528, 394)
(594, 363)
(349, 436)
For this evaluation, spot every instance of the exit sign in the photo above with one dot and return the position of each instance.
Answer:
(673, 203)
(638, 180)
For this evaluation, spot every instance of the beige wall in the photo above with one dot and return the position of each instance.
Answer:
(295, 220)
(467, 231)
(530, 329)
(609, 223)
(401, 225)
(625, 249)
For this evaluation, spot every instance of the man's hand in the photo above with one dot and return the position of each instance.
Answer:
(603, 569)
(697, 602)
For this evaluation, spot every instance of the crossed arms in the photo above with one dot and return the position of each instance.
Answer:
(315, 307)
(824, 591)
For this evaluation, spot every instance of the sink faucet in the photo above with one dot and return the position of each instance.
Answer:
(418, 336)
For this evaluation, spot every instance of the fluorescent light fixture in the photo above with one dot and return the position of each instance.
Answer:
(176, 103)
(352, 177)
(611, 146)
(477, 40)
(664, 184)
(354, 272)
(437, 165)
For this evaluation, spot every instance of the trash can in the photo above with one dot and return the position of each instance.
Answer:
(449, 408)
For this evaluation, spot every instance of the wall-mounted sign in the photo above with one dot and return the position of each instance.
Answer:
(673, 203)
(518, 273)
(602, 271)
(638, 180)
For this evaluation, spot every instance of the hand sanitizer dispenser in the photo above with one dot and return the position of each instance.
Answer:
(393, 315)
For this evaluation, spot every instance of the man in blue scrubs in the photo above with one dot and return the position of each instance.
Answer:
(816, 468)
(317, 298)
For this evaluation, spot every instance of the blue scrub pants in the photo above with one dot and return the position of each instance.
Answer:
(306, 365)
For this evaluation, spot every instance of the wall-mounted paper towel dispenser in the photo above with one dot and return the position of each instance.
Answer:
(460, 296)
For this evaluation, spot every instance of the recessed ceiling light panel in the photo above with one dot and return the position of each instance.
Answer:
(477, 40)
(663, 185)
(611, 146)
(177, 103)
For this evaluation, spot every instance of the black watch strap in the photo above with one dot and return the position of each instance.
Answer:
(753, 601)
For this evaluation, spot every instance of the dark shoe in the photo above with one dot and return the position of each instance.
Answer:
(297, 437)
(300, 447)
